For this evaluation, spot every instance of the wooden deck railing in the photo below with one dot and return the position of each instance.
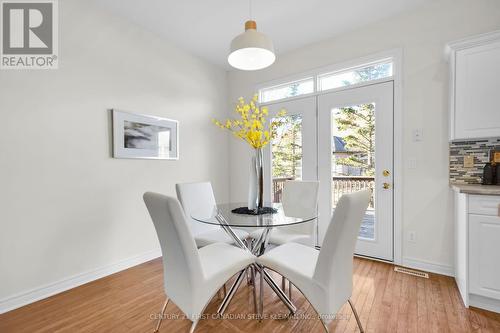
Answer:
(340, 186)
(347, 184)
(278, 187)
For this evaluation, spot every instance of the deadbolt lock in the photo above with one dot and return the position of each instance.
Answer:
(386, 173)
(387, 186)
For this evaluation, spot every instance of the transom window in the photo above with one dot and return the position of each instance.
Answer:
(354, 76)
(296, 88)
(324, 81)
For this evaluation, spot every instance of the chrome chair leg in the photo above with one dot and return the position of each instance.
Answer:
(356, 316)
(232, 291)
(261, 296)
(324, 325)
(280, 293)
(283, 287)
(221, 293)
(254, 290)
(249, 281)
(193, 326)
(162, 314)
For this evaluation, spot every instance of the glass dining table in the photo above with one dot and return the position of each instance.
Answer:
(260, 226)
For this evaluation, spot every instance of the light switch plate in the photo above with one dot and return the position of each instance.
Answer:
(418, 135)
(412, 163)
(468, 161)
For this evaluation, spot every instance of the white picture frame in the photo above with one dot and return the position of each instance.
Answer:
(144, 137)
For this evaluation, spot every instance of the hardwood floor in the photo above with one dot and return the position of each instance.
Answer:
(129, 301)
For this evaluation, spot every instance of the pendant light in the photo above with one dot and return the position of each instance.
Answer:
(252, 50)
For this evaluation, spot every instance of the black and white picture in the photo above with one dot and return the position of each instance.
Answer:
(140, 136)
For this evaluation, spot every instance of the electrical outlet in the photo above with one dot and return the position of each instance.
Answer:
(412, 236)
(468, 161)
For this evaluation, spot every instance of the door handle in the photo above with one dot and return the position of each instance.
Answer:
(386, 173)
(386, 186)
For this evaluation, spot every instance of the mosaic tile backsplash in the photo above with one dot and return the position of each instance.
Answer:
(480, 149)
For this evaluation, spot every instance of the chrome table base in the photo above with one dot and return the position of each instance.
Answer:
(257, 249)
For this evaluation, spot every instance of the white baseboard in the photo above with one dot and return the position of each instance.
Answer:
(428, 266)
(30, 296)
(484, 303)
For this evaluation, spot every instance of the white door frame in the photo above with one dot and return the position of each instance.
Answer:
(397, 57)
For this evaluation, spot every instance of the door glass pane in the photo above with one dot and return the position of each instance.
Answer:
(353, 157)
(286, 148)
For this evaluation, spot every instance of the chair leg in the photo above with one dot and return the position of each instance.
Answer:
(356, 316)
(248, 272)
(230, 294)
(193, 326)
(162, 314)
(261, 298)
(324, 325)
(254, 289)
(283, 287)
(221, 293)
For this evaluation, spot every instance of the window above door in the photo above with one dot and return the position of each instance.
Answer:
(286, 90)
(327, 80)
(352, 76)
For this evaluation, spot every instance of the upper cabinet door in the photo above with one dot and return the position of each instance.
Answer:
(475, 110)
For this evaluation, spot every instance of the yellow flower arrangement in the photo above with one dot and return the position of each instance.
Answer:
(252, 126)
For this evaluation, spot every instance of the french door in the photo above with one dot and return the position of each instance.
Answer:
(292, 155)
(355, 152)
(344, 139)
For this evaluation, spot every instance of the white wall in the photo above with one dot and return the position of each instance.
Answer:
(422, 35)
(67, 207)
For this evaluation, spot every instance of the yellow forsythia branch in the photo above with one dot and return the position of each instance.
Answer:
(252, 125)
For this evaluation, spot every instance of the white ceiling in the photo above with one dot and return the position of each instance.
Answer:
(206, 27)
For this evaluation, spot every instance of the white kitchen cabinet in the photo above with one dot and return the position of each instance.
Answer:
(477, 249)
(484, 249)
(474, 82)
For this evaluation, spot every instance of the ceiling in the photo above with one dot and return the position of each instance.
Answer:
(206, 27)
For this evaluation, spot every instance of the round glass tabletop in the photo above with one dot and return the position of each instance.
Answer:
(280, 218)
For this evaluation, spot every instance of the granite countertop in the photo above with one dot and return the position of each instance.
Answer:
(477, 189)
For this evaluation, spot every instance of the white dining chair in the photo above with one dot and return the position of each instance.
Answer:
(191, 276)
(299, 199)
(198, 198)
(325, 276)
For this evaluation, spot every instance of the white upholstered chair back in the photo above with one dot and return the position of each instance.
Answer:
(197, 199)
(300, 199)
(334, 267)
(181, 262)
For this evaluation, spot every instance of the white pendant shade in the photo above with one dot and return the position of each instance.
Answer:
(251, 50)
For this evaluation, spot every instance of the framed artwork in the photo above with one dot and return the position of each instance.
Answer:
(145, 137)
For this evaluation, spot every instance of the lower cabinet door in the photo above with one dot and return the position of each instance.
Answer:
(484, 255)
